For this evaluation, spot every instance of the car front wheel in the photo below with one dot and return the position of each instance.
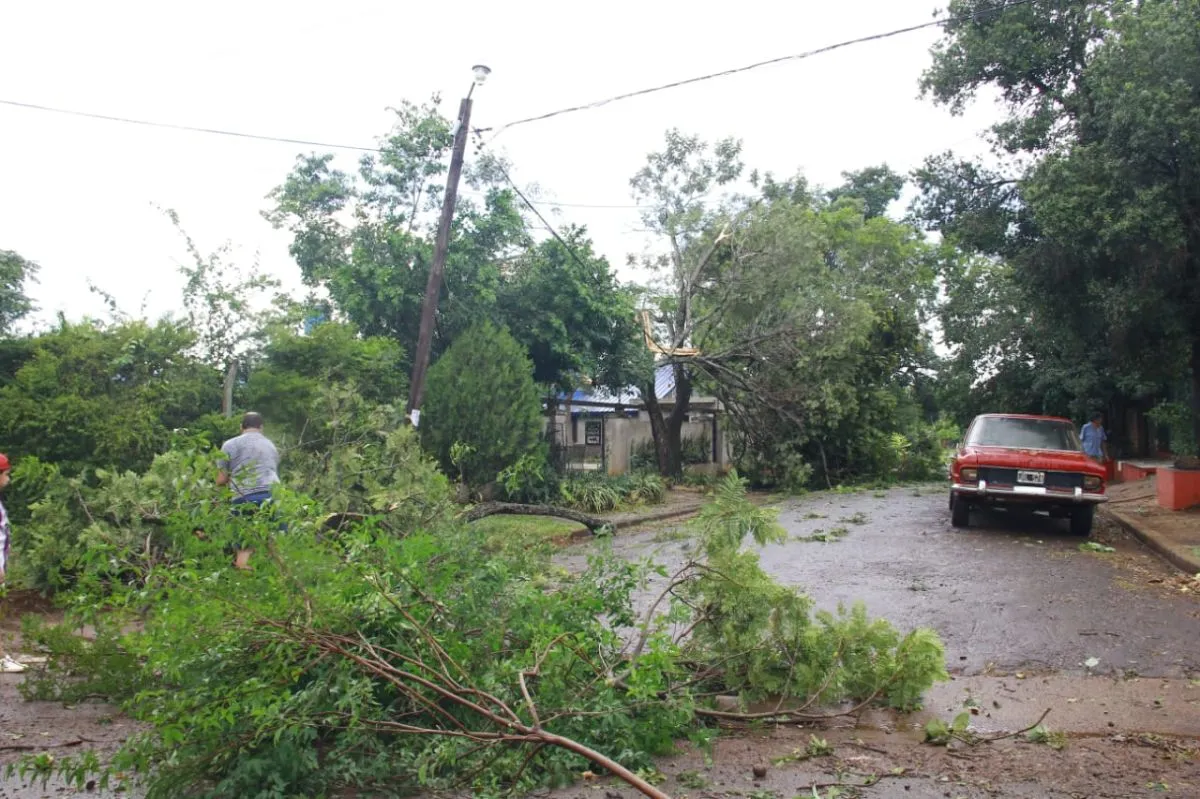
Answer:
(960, 512)
(1081, 520)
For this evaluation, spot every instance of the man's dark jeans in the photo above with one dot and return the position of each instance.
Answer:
(250, 505)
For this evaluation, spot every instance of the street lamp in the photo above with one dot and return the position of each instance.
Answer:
(462, 129)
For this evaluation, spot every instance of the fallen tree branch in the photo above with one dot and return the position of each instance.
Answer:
(486, 509)
(990, 738)
(487, 707)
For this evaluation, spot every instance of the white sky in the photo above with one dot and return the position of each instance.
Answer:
(78, 195)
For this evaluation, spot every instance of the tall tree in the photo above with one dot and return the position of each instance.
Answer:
(848, 293)
(876, 186)
(15, 273)
(801, 309)
(229, 309)
(1096, 209)
(368, 240)
(577, 323)
(675, 184)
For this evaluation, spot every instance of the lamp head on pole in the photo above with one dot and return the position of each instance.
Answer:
(481, 73)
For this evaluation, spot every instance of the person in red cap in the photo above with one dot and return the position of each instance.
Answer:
(7, 664)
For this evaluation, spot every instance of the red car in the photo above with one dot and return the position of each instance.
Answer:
(1026, 463)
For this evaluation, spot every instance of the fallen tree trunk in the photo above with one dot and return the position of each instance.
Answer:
(486, 509)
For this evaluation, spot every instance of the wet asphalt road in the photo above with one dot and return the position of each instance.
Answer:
(1009, 594)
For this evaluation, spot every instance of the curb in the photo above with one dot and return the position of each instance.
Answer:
(624, 524)
(1177, 556)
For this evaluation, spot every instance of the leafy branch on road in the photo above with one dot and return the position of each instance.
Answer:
(940, 733)
(374, 661)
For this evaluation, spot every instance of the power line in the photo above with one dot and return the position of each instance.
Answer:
(554, 204)
(1004, 6)
(214, 131)
(545, 222)
(257, 137)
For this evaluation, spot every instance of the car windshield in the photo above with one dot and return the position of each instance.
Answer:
(1000, 431)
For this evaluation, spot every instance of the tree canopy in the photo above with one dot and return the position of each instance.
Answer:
(802, 309)
(15, 273)
(1094, 211)
(368, 240)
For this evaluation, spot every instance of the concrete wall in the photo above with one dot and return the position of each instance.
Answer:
(623, 436)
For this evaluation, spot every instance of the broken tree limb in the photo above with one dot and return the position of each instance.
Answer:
(486, 509)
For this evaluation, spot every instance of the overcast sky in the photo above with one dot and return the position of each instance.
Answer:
(78, 195)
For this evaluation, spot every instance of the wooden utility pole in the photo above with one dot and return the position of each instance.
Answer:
(416, 388)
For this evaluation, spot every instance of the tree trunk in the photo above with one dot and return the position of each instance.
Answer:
(478, 512)
(658, 429)
(683, 401)
(227, 395)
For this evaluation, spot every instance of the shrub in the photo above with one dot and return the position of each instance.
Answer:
(1176, 417)
(92, 395)
(532, 479)
(600, 493)
(590, 493)
(783, 468)
(481, 393)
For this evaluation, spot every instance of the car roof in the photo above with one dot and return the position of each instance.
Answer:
(1022, 416)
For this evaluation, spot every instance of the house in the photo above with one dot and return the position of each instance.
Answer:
(595, 429)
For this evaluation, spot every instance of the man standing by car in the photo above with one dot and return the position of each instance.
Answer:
(251, 468)
(1095, 440)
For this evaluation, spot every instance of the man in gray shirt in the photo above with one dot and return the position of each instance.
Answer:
(250, 467)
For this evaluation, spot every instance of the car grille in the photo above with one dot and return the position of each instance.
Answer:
(1060, 481)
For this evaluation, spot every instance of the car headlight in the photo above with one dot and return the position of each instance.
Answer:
(1091, 483)
(969, 475)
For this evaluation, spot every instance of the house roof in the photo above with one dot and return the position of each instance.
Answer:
(664, 387)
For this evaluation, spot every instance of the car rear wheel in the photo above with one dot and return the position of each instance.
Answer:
(960, 512)
(1081, 520)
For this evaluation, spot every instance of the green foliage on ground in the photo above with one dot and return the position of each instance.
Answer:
(71, 525)
(600, 493)
(368, 660)
(481, 394)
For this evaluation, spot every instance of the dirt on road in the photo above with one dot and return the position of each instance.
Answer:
(1108, 642)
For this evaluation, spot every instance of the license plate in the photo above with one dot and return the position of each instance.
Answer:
(1031, 478)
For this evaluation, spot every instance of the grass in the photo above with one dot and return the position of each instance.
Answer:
(498, 531)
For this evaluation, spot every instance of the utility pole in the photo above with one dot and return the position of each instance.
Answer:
(433, 288)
